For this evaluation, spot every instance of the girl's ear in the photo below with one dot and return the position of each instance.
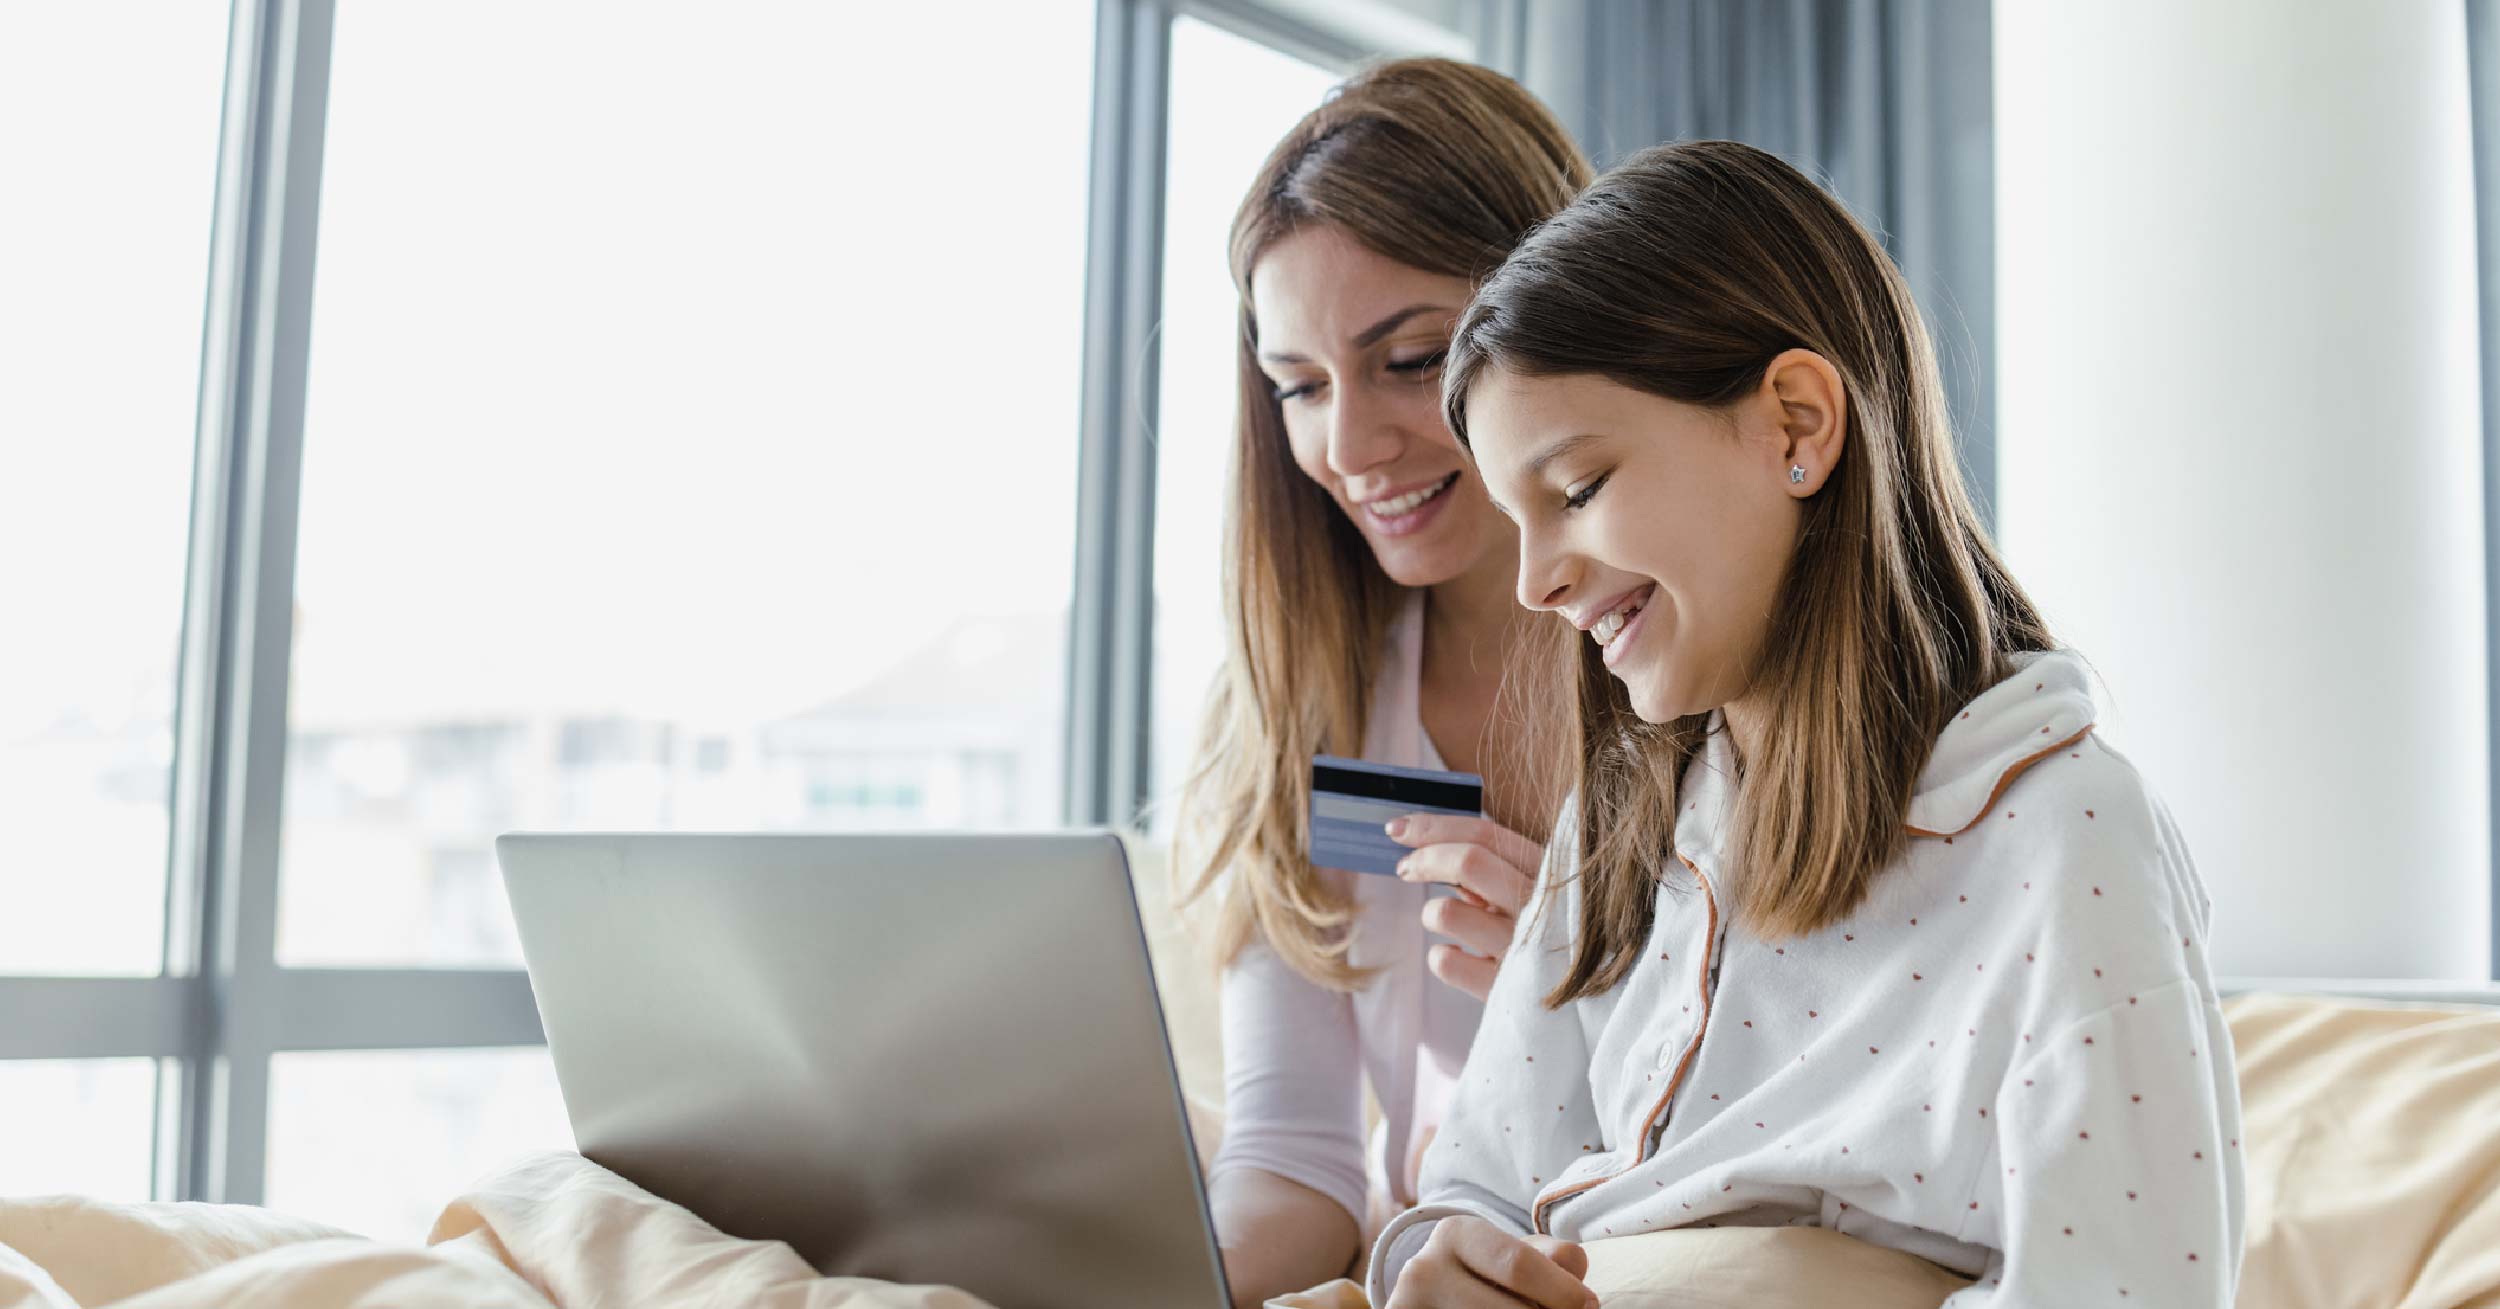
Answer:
(1812, 408)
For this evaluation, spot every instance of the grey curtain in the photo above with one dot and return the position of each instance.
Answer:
(1886, 102)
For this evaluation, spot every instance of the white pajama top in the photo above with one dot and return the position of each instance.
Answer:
(1297, 1054)
(2010, 1060)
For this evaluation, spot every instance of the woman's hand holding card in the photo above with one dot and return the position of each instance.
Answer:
(1493, 870)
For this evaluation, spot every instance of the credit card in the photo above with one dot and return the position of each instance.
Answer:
(1352, 802)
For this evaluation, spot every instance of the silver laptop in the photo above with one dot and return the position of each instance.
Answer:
(931, 1059)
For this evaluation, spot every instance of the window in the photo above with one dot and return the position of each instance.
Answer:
(1232, 99)
(77, 1126)
(103, 272)
(688, 437)
(377, 1142)
(689, 441)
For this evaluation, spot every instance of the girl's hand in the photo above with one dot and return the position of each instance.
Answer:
(1494, 869)
(1469, 1262)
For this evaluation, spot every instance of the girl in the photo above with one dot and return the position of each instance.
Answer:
(1854, 921)
(1368, 587)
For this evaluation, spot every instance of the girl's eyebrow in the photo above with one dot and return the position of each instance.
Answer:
(1536, 466)
(1369, 336)
(1557, 450)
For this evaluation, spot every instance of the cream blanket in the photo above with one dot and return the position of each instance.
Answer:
(556, 1231)
(561, 1231)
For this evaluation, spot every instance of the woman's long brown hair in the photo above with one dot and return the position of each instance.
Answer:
(1440, 166)
(1682, 273)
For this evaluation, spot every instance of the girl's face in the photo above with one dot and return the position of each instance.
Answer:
(1352, 342)
(1660, 529)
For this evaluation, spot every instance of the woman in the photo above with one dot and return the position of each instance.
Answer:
(1858, 924)
(1368, 591)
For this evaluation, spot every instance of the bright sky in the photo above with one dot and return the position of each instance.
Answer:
(691, 368)
(108, 139)
(694, 367)
(108, 136)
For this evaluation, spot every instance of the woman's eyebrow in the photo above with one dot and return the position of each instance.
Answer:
(1364, 339)
(1372, 334)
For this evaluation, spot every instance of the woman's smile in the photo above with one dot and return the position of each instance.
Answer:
(1409, 511)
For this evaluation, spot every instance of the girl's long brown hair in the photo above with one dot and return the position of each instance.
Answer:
(1682, 273)
(1440, 166)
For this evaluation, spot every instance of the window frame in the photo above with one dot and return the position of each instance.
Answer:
(223, 1007)
(2482, 62)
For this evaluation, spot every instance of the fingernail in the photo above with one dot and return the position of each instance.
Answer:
(1396, 828)
(1402, 869)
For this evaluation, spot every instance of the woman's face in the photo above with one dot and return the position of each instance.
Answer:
(1660, 529)
(1352, 342)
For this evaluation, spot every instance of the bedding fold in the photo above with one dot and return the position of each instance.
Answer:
(553, 1232)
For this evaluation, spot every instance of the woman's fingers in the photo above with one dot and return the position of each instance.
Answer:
(1462, 970)
(1418, 830)
(1484, 932)
(1472, 867)
(1494, 870)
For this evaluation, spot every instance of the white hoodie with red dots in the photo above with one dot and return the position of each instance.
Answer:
(2010, 1060)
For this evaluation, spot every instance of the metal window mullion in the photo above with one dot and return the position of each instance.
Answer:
(192, 786)
(260, 411)
(97, 1017)
(1150, 62)
(404, 1009)
(2482, 29)
(1111, 619)
(1088, 655)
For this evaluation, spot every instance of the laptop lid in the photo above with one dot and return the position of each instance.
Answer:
(923, 1059)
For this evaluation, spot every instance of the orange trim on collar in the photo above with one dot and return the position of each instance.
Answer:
(2003, 782)
(1541, 1212)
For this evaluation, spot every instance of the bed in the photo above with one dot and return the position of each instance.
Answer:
(2372, 1113)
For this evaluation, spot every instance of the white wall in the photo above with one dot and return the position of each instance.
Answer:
(2239, 446)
